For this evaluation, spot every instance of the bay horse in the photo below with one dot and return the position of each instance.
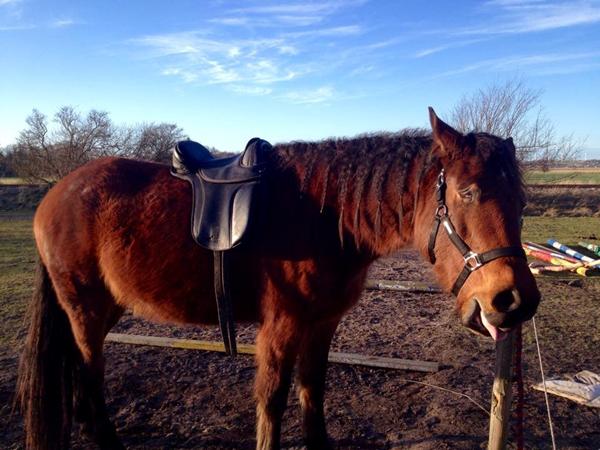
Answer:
(115, 235)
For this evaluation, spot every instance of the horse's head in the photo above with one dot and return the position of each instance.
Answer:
(467, 223)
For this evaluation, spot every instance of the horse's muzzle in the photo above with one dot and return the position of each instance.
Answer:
(497, 324)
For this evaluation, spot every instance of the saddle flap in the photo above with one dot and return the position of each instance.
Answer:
(222, 214)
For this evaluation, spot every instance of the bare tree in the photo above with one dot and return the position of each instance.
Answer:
(514, 110)
(150, 141)
(47, 152)
(46, 155)
(6, 165)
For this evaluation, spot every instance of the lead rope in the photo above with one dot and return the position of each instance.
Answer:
(537, 343)
(520, 391)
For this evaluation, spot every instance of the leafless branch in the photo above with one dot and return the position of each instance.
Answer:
(514, 110)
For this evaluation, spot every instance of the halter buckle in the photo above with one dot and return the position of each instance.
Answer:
(441, 180)
(441, 211)
(472, 261)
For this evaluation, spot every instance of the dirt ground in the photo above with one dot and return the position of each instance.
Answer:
(183, 399)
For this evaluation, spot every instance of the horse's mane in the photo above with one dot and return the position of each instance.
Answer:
(361, 167)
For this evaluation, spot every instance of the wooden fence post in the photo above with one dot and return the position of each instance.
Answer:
(501, 394)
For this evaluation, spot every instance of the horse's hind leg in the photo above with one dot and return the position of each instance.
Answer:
(312, 367)
(277, 345)
(92, 312)
(90, 406)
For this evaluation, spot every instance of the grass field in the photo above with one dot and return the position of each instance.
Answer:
(564, 176)
(17, 257)
(568, 230)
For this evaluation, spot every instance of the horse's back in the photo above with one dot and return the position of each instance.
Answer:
(125, 224)
(74, 209)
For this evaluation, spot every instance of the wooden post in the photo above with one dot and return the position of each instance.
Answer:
(501, 394)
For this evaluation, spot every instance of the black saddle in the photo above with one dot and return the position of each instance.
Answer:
(225, 190)
(226, 202)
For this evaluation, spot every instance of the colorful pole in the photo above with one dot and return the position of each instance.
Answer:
(569, 251)
(537, 247)
(591, 247)
(546, 257)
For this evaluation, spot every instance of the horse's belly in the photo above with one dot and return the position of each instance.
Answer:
(164, 297)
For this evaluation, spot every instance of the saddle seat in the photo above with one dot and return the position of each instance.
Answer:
(225, 190)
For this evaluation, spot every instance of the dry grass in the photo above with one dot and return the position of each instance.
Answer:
(589, 175)
(563, 202)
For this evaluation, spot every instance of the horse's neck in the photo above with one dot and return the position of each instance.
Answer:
(375, 216)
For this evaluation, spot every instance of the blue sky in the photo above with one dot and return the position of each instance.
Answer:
(228, 70)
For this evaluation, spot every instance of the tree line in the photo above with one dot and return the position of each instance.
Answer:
(47, 150)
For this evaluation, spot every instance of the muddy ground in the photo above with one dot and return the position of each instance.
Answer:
(181, 399)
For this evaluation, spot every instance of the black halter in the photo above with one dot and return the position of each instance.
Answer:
(473, 260)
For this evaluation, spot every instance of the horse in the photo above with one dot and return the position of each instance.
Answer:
(114, 235)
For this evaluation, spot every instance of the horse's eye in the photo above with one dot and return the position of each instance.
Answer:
(466, 195)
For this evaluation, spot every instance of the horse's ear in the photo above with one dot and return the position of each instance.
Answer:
(511, 146)
(448, 140)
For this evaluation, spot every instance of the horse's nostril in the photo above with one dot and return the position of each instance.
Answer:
(507, 300)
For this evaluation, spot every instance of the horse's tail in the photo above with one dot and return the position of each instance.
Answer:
(44, 386)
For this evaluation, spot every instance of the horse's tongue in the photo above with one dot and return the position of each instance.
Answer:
(496, 333)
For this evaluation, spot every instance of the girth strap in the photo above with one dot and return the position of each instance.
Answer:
(224, 306)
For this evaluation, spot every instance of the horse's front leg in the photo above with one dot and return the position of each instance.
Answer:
(277, 347)
(312, 367)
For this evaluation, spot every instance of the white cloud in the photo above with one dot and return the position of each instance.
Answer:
(287, 50)
(440, 48)
(294, 46)
(540, 64)
(292, 14)
(16, 27)
(234, 52)
(510, 17)
(250, 90)
(218, 73)
(319, 95)
(527, 16)
(345, 30)
(186, 75)
(298, 21)
(62, 23)
(431, 51)
(232, 21)
(11, 12)
(307, 8)
(362, 70)
(193, 57)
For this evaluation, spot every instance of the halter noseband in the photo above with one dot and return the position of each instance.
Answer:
(473, 260)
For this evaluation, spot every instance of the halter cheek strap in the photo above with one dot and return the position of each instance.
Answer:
(472, 260)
